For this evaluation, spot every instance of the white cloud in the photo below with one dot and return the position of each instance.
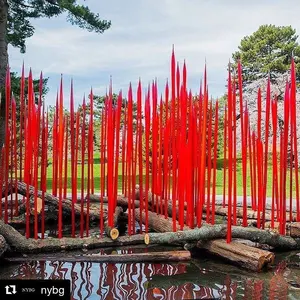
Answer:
(140, 40)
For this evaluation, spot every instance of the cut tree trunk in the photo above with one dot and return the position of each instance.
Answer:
(113, 232)
(166, 256)
(245, 256)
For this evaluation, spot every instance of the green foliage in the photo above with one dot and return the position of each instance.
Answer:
(99, 105)
(16, 86)
(268, 50)
(16, 91)
(21, 12)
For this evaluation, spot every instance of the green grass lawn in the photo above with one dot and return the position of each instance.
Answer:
(219, 181)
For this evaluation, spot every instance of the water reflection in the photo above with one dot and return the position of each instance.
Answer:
(152, 281)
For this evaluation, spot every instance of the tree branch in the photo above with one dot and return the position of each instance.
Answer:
(24, 5)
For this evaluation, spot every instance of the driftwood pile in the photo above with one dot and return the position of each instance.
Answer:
(209, 238)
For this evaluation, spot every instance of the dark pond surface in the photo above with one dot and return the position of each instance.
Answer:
(199, 279)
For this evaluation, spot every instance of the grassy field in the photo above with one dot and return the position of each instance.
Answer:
(219, 181)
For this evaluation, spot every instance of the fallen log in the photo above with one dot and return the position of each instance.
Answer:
(243, 255)
(166, 256)
(253, 244)
(13, 201)
(94, 212)
(14, 239)
(6, 187)
(222, 211)
(292, 229)
(19, 221)
(19, 244)
(251, 214)
(208, 232)
(3, 245)
(157, 222)
(121, 200)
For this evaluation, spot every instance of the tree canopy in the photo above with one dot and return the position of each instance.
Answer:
(16, 86)
(268, 50)
(16, 26)
(21, 12)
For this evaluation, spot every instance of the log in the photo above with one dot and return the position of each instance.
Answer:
(253, 244)
(13, 202)
(222, 211)
(113, 232)
(121, 200)
(164, 234)
(14, 239)
(208, 232)
(157, 222)
(137, 194)
(245, 256)
(130, 249)
(19, 244)
(292, 229)
(166, 256)
(250, 222)
(251, 214)
(94, 212)
(4, 187)
(18, 221)
(3, 245)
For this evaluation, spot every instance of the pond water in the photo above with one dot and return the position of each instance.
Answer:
(202, 278)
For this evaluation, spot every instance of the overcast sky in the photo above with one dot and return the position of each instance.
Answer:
(139, 42)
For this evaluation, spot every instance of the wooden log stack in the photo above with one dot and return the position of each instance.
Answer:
(237, 253)
(209, 238)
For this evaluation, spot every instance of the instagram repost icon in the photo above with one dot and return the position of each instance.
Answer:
(10, 289)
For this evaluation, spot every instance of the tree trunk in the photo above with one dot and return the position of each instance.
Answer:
(19, 244)
(121, 200)
(243, 255)
(157, 222)
(113, 232)
(292, 229)
(208, 232)
(3, 245)
(251, 214)
(165, 256)
(3, 68)
(94, 212)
